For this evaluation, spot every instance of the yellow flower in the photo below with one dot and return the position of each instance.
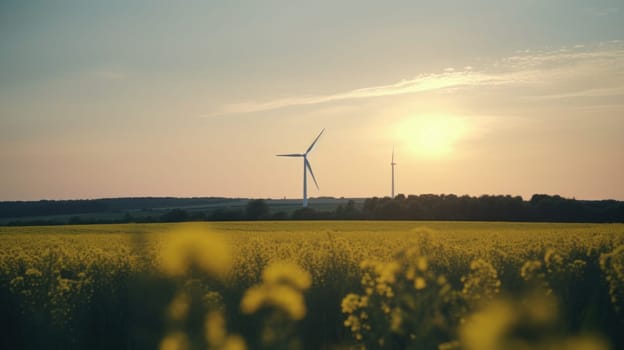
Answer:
(410, 274)
(175, 341)
(552, 258)
(215, 328)
(178, 309)
(283, 297)
(287, 273)
(32, 272)
(252, 299)
(483, 330)
(420, 283)
(234, 342)
(422, 263)
(441, 280)
(386, 272)
(350, 303)
(353, 323)
(288, 300)
(192, 245)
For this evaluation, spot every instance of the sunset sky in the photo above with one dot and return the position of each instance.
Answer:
(163, 98)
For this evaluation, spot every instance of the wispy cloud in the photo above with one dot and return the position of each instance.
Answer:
(606, 92)
(421, 83)
(525, 68)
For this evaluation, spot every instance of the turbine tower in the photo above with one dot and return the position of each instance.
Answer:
(306, 167)
(392, 164)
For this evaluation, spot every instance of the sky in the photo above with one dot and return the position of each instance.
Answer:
(195, 98)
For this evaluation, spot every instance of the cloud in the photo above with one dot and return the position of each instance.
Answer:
(566, 56)
(526, 68)
(421, 83)
(606, 92)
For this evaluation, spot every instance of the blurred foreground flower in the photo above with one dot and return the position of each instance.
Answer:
(287, 273)
(192, 245)
(281, 294)
(522, 324)
(281, 288)
(281, 297)
(216, 334)
(175, 341)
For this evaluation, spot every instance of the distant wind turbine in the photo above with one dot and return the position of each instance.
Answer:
(306, 167)
(392, 163)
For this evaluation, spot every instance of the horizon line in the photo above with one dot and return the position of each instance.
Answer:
(298, 199)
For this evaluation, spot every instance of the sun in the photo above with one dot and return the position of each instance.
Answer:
(430, 136)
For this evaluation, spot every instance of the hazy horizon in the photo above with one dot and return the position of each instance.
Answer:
(151, 98)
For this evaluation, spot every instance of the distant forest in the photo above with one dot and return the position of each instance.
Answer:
(540, 208)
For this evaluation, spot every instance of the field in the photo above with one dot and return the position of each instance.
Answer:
(313, 285)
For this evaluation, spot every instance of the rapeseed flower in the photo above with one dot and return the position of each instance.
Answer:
(350, 303)
(483, 330)
(234, 342)
(287, 273)
(420, 283)
(215, 328)
(175, 341)
(179, 307)
(192, 245)
(216, 334)
(282, 297)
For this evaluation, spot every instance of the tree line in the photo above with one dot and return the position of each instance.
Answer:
(17, 209)
(540, 208)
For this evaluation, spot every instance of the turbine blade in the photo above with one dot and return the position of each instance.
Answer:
(392, 153)
(314, 142)
(311, 172)
(289, 155)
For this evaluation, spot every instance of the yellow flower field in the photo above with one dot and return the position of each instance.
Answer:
(316, 284)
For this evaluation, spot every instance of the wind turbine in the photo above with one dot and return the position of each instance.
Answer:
(392, 164)
(306, 167)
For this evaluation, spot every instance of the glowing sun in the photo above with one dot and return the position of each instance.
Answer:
(430, 136)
